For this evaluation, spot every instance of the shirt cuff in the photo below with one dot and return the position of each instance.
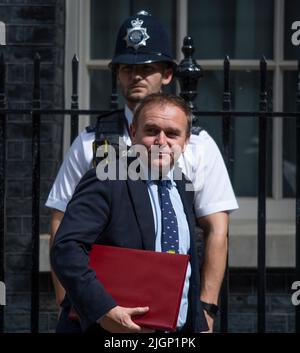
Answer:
(56, 204)
(226, 206)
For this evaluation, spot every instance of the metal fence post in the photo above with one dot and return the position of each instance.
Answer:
(297, 321)
(2, 180)
(114, 91)
(36, 116)
(261, 217)
(74, 99)
(227, 118)
(188, 73)
(226, 128)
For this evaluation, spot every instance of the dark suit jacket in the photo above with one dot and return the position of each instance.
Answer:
(116, 213)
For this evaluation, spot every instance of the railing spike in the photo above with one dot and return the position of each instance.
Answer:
(37, 57)
(75, 58)
(188, 73)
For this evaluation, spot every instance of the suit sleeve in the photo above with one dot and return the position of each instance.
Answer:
(86, 217)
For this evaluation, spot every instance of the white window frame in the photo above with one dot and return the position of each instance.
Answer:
(77, 32)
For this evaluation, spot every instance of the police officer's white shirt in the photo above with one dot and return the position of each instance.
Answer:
(201, 162)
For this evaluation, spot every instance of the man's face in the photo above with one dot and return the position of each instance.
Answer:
(138, 81)
(162, 129)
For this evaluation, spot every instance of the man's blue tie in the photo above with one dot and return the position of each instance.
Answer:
(169, 237)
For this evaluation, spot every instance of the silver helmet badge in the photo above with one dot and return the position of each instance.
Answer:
(137, 35)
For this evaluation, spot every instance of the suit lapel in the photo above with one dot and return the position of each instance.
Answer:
(143, 210)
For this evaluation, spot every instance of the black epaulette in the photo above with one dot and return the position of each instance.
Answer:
(196, 130)
(109, 127)
(105, 118)
(90, 128)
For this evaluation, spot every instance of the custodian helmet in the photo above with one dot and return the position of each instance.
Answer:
(142, 39)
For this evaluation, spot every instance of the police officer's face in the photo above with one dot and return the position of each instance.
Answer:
(138, 81)
(162, 129)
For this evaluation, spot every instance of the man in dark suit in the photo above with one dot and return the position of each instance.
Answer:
(129, 213)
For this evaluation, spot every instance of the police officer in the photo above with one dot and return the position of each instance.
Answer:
(144, 64)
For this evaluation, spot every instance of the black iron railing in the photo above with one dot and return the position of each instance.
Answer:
(298, 194)
(188, 74)
(35, 241)
(2, 180)
(261, 211)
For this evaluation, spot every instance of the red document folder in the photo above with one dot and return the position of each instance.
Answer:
(143, 278)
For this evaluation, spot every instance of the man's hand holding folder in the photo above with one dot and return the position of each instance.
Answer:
(146, 285)
(119, 320)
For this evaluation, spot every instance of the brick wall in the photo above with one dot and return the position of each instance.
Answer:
(31, 26)
(280, 313)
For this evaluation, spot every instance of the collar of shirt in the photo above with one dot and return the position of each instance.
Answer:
(172, 173)
(128, 115)
(169, 176)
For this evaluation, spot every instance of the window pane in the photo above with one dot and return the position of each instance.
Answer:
(242, 29)
(292, 14)
(100, 88)
(289, 135)
(245, 96)
(210, 98)
(107, 16)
